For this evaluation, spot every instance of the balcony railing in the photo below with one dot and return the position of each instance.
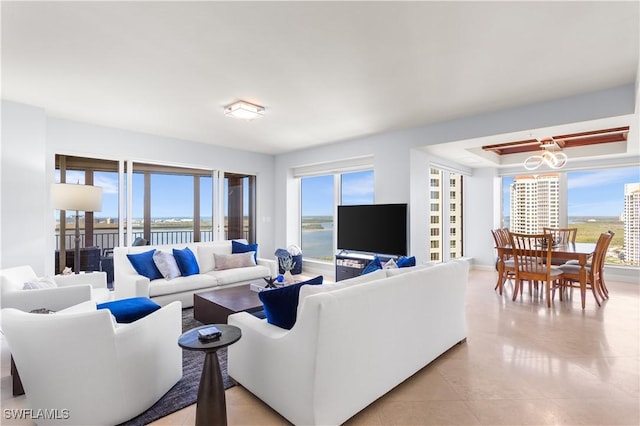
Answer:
(107, 240)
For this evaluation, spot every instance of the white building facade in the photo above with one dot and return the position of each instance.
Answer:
(535, 203)
(632, 223)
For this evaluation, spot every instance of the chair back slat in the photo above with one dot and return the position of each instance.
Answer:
(531, 252)
(561, 235)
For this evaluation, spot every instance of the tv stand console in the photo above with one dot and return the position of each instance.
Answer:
(350, 264)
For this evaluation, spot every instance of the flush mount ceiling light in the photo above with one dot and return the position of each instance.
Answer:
(550, 156)
(244, 110)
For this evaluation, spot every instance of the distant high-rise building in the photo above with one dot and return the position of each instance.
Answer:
(535, 203)
(453, 210)
(632, 223)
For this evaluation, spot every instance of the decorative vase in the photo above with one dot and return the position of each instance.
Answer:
(288, 278)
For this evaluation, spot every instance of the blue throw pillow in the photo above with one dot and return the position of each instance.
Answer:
(405, 262)
(281, 304)
(238, 247)
(374, 265)
(186, 261)
(130, 310)
(144, 265)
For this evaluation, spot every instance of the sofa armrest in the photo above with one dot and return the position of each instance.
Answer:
(154, 337)
(54, 299)
(131, 285)
(94, 279)
(271, 264)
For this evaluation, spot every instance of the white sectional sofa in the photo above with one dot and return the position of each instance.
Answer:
(352, 342)
(128, 283)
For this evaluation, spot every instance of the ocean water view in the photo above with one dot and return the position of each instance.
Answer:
(317, 237)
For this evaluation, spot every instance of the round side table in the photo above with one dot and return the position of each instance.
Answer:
(211, 408)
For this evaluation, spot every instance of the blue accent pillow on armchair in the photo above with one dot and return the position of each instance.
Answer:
(238, 247)
(281, 304)
(374, 265)
(186, 261)
(144, 265)
(130, 310)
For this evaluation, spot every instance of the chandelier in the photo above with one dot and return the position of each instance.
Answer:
(551, 156)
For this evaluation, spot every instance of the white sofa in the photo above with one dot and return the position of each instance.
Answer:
(352, 342)
(78, 363)
(128, 283)
(71, 289)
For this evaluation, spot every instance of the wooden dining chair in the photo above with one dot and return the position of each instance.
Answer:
(561, 236)
(532, 257)
(502, 239)
(594, 272)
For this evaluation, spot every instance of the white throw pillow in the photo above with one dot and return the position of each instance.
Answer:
(166, 264)
(391, 264)
(44, 282)
(232, 261)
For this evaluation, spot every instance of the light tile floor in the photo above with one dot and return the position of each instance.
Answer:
(522, 364)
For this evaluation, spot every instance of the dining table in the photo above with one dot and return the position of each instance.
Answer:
(581, 252)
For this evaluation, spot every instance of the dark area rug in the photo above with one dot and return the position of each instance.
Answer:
(185, 392)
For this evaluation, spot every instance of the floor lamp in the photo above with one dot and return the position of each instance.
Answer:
(69, 196)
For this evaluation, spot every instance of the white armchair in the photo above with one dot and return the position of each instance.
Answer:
(98, 373)
(70, 290)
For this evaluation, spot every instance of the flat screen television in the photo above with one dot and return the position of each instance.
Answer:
(373, 228)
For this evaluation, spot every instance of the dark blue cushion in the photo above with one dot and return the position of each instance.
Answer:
(144, 265)
(238, 247)
(130, 310)
(281, 304)
(405, 262)
(186, 261)
(374, 265)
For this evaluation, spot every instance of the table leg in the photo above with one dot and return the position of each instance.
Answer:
(211, 408)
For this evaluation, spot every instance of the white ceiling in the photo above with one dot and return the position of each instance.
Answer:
(324, 71)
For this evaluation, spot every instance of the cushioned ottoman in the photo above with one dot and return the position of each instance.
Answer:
(130, 310)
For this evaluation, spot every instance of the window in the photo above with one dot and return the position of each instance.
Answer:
(318, 201)
(597, 201)
(97, 229)
(239, 205)
(445, 214)
(607, 199)
(167, 204)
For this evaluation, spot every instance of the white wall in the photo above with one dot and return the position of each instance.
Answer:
(28, 150)
(23, 196)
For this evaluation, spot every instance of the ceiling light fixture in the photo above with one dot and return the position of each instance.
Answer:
(244, 110)
(550, 156)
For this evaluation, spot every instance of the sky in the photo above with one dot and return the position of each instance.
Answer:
(591, 193)
(171, 195)
(317, 192)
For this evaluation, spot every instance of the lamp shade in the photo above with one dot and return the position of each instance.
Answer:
(69, 196)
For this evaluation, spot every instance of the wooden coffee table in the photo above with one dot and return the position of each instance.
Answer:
(214, 306)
